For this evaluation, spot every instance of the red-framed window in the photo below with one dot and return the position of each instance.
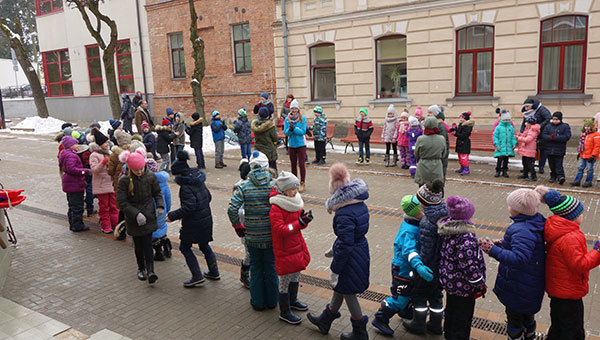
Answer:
(177, 55)
(125, 67)
(48, 6)
(241, 48)
(94, 69)
(563, 52)
(322, 71)
(475, 60)
(390, 55)
(57, 69)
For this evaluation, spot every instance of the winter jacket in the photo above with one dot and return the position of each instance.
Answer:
(504, 140)
(146, 199)
(351, 260)
(463, 137)
(528, 141)
(363, 128)
(127, 110)
(136, 101)
(412, 134)
(149, 141)
(165, 137)
(163, 182)
(320, 128)
(295, 132)
(102, 183)
(520, 280)
(591, 146)
(266, 103)
(180, 129)
(254, 194)
(541, 114)
(430, 150)
(444, 133)
(402, 136)
(114, 166)
(285, 111)
(496, 123)
(555, 138)
(195, 131)
(389, 134)
(142, 115)
(406, 243)
(291, 252)
(73, 177)
(429, 238)
(218, 128)
(242, 129)
(462, 266)
(195, 215)
(568, 263)
(265, 137)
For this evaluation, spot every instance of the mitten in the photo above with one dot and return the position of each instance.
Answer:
(597, 246)
(481, 292)
(240, 229)
(485, 244)
(141, 219)
(578, 157)
(333, 279)
(498, 148)
(305, 217)
(424, 271)
(104, 161)
(552, 137)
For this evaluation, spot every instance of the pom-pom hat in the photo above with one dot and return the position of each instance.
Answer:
(286, 180)
(565, 206)
(460, 208)
(180, 166)
(431, 194)
(134, 160)
(260, 159)
(338, 177)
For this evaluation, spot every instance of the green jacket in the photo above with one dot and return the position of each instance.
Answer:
(504, 140)
(430, 150)
(320, 128)
(265, 137)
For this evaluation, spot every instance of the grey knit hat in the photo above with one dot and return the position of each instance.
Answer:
(286, 180)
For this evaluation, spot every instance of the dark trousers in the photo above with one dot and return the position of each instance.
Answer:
(566, 317)
(199, 157)
(89, 195)
(173, 153)
(518, 323)
(75, 212)
(264, 282)
(528, 169)
(556, 166)
(143, 252)
(186, 249)
(297, 159)
(367, 145)
(127, 125)
(458, 316)
(502, 163)
(429, 294)
(273, 165)
(394, 146)
(542, 161)
(320, 152)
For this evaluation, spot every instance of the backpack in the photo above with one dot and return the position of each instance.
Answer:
(131, 112)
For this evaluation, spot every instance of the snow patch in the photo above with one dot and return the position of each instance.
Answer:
(208, 146)
(39, 126)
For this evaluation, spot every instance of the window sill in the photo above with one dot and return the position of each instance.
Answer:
(586, 99)
(50, 13)
(324, 103)
(387, 101)
(178, 78)
(473, 99)
(242, 73)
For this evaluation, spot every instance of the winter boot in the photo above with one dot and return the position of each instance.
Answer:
(223, 164)
(285, 313)
(395, 161)
(367, 161)
(141, 274)
(213, 269)
(458, 171)
(435, 322)
(382, 319)
(359, 330)
(530, 331)
(359, 161)
(505, 173)
(523, 175)
(294, 302)
(166, 244)
(416, 325)
(152, 277)
(119, 230)
(587, 184)
(533, 178)
(324, 320)
(407, 312)
(245, 276)
(514, 333)
(405, 166)
(575, 183)
(386, 160)
(497, 173)
(465, 171)
(193, 282)
(218, 166)
(158, 252)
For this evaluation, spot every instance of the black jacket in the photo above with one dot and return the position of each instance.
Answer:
(149, 141)
(194, 130)
(195, 215)
(542, 116)
(463, 137)
(555, 138)
(146, 199)
(165, 137)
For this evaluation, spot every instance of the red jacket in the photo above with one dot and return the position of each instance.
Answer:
(568, 262)
(591, 146)
(291, 253)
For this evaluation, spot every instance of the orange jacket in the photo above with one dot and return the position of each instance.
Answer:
(591, 146)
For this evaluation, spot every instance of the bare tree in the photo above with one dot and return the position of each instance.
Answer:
(108, 49)
(16, 43)
(199, 67)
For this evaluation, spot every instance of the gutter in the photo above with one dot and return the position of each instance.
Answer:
(285, 48)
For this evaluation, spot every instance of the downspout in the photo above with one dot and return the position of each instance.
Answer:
(139, 24)
(285, 48)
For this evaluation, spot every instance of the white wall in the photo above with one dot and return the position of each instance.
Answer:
(8, 74)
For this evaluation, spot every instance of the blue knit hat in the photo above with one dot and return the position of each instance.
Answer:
(264, 113)
(169, 111)
(318, 109)
(565, 206)
(114, 123)
(215, 113)
(265, 95)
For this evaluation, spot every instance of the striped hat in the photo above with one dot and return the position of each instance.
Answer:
(410, 205)
(318, 109)
(242, 112)
(565, 206)
(431, 193)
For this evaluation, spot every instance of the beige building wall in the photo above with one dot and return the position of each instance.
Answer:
(430, 26)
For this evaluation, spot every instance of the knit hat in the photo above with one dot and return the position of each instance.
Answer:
(242, 112)
(123, 138)
(364, 110)
(263, 113)
(558, 115)
(412, 121)
(338, 177)
(68, 141)
(95, 125)
(264, 95)
(136, 144)
(166, 122)
(410, 205)
(68, 131)
(170, 111)
(67, 124)
(318, 109)
(145, 125)
(531, 120)
(134, 160)
(419, 112)
(295, 104)
(99, 137)
(180, 166)
(286, 180)
(214, 113)
(466, 115)
(258, 159)
(435, 109)
(114, 123)
(524, 201)
(244, 168)
(565, 206)
(589, 122)
(391, 109)
(151, 165)
(504, 114)
(431, 194)
(430, 123)
(460, 208)
(195, 116)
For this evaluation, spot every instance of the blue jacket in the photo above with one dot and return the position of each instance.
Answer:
(555, 138)
(431, 244)
(218, 128)
(149, 141)
(405, 243)
(504, 140)
(520, 282)
(351, 259)
(241, 127)
(296, 134)
(163, 181)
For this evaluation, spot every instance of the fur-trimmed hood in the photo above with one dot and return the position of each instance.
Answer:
(59, 136)
(116, 150)
(194, 176)
(289, 204)
(196, 122)
(469, 122)
(451, 227)
(354, 191)
(97, 148)
(261, 125)
(158, 128)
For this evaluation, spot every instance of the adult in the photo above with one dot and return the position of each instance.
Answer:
(264, 102)
(179, 131)
(430, 150)
(438, 112)
(285, 111)
(127, 113)
(533, 107)
(555, 137)
(142, 114)
(253, 195)
(265, 137)
(295, 129)
(137, 99)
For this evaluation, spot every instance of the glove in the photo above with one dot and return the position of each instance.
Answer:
(497, 242)
(425, 272)
(552, 137)
(141, 219)
(485, 244)
(597, 246)
(333, 279)
(454, 126)
(481, 292)
(329, 253)
(104, 161)
(160, 211)
(240, 229)
(498, 148)
(305, 217)
(578, 157)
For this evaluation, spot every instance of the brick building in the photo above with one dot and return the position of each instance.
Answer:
(238, 53)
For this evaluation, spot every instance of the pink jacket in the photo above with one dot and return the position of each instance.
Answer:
(101, 180)
(528, 141)
(402, 128)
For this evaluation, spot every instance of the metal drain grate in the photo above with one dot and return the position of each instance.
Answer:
(497, 327)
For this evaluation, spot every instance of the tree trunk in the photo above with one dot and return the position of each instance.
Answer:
(199, 67)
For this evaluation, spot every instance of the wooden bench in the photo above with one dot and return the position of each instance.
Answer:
(330, 132)
(481, 140)
(351, 138)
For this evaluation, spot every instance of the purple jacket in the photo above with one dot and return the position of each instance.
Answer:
(412, 134)
(462, 267)
(73, 178)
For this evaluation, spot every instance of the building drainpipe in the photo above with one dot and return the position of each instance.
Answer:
(285, 48)
(139, 24)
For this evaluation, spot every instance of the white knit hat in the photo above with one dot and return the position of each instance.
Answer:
(504, 114)
(391, 109)
(295, 104)
(286, 180)
(260, 159)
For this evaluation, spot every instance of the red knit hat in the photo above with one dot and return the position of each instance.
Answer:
(166, 122)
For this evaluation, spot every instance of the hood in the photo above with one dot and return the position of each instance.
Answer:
(434, 213)
(469, 122)
(159, 128)
(392, 118)
(556, 227)
(451, 227)
(116, 150)
(261, 125)
(243, 118)
(125, 98)
(290, 204)
(364, 119)
(59, 136)
(440, 116)
(412, 221)
(97, 148)
(194, 176)
(162, 176)
(260, 176)
(196, 122)
(537, 221)
(535, 127)
(356, 189)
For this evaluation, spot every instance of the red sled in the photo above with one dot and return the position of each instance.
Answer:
(14, 196)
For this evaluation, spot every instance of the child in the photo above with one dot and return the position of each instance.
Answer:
(555, 136)
(140, 199)
(242, 129)
(288, 218)
(350, 265)
(165, 137)
(295, 128)
(520, 280)
(588, 151)
(244, 170)
(568, 264)
(406, 258)
(504, 142)
(195, 132)
(73, 182)
(363, 128)
(413, 132)
(402, 141)
(265, 137)
(149, 139)
(218, 128)
(462, 267)
(463, 142)
(179, 131)
(528, 148)
(160, 241)
(102, 183)
(391, 135)
(431, 151)
(196, 219)
(419, 114)
(320, 135)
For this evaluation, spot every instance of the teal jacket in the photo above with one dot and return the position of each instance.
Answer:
(320, 128)
(504, 140)
(406, 245)
(296, 134)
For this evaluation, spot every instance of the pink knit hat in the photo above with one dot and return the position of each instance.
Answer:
(338, 176)
(419, 112)
(134, 160)
(524, 201)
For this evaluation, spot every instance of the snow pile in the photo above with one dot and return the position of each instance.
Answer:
(40, 126)
(208, 146)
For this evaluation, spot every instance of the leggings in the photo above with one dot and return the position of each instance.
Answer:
(285, 280)
(351, 302)
(144, 253)
(393, 145)
(297, 158)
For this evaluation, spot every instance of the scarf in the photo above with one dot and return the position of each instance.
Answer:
(434, 131)
(293, 120)
(287, 104)
(402, 126)
(581, 144)
(289, 204)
